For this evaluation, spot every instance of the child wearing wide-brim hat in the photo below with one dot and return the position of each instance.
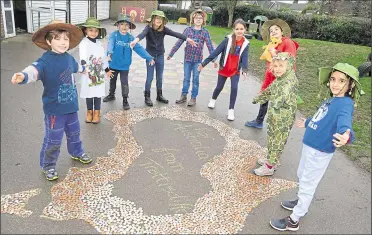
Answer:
(155, 32)
(125, 18)
(328, 129)
(94, 23)
(120, 57)
(76, 35)
(93, 54)
(280, 30)
(60, 104)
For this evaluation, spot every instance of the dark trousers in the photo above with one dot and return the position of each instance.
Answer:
(55, 126)
(262, 113)
(123, 81)
(96, 102)
(234, 88)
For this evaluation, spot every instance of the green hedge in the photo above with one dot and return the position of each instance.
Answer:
(174, 13)
(325, 28)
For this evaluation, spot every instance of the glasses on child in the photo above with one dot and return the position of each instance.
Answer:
(198, 18)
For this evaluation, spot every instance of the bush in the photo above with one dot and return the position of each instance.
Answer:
(175, 13)
(318, 27)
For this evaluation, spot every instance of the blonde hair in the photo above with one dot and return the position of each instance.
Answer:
(151, 24)
(201, 14)
(271, 68)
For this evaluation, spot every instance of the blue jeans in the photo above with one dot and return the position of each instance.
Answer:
(159, 66)
(55, 126)
(189, 67)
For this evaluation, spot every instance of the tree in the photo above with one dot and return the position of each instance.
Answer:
(231, 4)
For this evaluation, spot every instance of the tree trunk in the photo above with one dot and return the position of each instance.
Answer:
(231, 4)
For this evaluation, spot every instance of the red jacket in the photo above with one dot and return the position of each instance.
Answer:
(287, 45)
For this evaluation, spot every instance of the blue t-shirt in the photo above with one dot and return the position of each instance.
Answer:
(121, 53)
(56, 72)
(334, 116)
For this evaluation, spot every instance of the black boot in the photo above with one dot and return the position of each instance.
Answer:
(111, 95)
(125, 93)
(148, 100)
(126, 104)
(160, 97)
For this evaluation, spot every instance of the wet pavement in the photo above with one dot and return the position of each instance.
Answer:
(166, 169)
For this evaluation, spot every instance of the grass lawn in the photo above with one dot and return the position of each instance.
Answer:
(311, 55)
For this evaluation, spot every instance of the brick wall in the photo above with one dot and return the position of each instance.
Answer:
(115, 7)
(2, 26)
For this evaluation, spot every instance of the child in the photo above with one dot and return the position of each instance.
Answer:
(120, 57)
(282, 94)
(280, 30)
(154, 33)
(92, 54)
(328, 129)
(234, 49)
(193, 55)
(60, 104)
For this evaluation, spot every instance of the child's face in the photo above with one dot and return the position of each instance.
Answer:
(123, 27)
(339, 84)
(276, 31)
(198, 20)
(60, 43)
(158, 21)
(239, 30)
(92, 32)
(279, 67)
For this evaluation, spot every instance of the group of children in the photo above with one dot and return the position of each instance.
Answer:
(329, 128)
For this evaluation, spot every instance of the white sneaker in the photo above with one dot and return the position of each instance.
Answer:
(230, 115)
(264, 171)
(212, 103)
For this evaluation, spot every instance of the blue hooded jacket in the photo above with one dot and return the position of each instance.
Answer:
(121, 53)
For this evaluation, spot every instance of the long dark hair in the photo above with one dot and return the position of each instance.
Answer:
(233, 44)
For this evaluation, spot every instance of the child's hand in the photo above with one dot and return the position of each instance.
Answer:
(273, 51)
(200, 67)
(215, 64)
(133, 43)
(244, 75)
(341, 140)
(168, 58)
(18, 78)
(192, 42)
(152, 62)
(109, 57)
(109, 74)
(301, 123)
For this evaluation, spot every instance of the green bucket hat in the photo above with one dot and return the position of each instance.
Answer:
(349, 70)
(93, 23)
(159, 13)
(125, 18)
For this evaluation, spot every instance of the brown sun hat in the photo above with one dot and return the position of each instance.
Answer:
(76, 35)
(281, 23)
(198, 11)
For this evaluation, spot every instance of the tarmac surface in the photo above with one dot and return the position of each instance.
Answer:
(165, 169)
